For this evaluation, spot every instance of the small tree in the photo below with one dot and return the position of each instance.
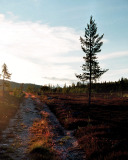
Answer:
(91, 45)
(6, 75)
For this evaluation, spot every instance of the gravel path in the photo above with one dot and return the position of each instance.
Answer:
(16, 136)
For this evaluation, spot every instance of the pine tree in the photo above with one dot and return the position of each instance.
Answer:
(91, 45)
(5, 75)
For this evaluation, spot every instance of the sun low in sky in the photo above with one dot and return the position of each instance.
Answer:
(39, 39)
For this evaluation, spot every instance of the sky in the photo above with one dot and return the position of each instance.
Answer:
(40, 39)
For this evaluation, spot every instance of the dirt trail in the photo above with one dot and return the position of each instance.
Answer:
(65, 144)
(16, 136)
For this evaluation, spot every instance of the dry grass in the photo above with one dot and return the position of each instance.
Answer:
(41, 146)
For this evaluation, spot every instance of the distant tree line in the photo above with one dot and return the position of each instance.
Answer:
(80, 88)
(117, 86)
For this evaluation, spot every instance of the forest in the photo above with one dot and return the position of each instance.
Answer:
(117, 88)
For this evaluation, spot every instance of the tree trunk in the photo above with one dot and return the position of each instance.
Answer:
(90, 88)
(90, 78)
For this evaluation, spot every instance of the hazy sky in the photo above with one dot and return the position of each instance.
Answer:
(39, 39)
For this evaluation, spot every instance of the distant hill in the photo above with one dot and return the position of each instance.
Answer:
(18, 85)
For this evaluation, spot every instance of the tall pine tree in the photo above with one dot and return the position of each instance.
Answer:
(91, 45)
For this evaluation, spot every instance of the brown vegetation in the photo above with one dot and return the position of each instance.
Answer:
(8, 107)
(102, 130)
